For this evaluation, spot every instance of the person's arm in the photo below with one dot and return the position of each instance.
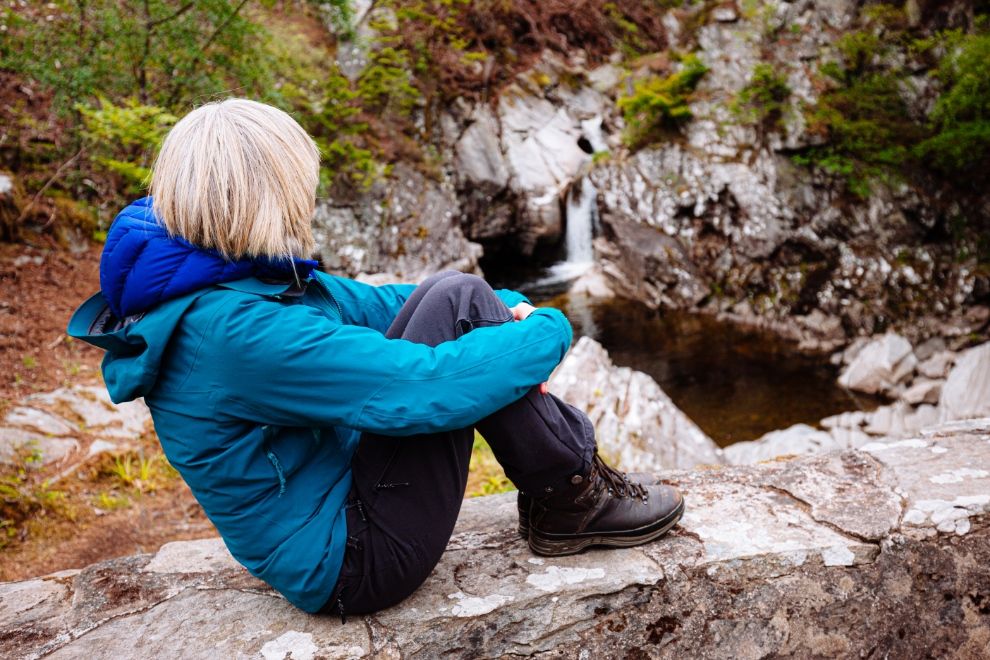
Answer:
(511, 298)
(291, 366)
(363, 304)
(377, 306)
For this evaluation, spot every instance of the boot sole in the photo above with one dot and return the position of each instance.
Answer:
(559, 545)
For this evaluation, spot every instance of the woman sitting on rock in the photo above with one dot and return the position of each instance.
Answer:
(326, 425)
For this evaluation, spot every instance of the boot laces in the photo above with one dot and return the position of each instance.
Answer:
(617, 482)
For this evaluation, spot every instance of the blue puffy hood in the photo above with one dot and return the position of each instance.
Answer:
(143, 266)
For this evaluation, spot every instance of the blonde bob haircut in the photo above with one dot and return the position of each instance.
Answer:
(238, 177)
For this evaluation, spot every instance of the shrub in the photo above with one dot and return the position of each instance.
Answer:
(123, 138)
(960, 121)
(764, 98)
(660, 104)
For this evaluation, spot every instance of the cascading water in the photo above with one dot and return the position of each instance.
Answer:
(580, 211)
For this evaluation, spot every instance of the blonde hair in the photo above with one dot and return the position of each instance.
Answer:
(238, 177)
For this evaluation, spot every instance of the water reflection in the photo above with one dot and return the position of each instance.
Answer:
(735, 383)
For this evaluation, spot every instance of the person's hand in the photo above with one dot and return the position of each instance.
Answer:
(520, 312)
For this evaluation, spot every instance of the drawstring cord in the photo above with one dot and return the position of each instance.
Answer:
(278, 471)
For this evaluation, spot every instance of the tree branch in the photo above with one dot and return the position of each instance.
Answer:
(151, 25)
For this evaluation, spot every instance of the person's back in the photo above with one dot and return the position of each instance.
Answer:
(326, 425)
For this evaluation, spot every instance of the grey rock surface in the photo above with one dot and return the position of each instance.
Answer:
(882, 551)
(406, 226)
(637, 426)
(66, 424)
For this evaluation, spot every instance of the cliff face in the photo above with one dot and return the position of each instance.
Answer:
(738, 203)
(883, 551)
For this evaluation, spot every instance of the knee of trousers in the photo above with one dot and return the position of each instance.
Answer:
(461, 282)
(433, 279)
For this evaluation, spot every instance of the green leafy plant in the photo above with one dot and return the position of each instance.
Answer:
(764, 98)
(140, 473)
(485, 475)
(26, 496)
(111, 501)
(660, 104)
(123, 138)
(960, 121)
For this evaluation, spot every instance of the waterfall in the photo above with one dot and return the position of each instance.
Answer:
(581, 209)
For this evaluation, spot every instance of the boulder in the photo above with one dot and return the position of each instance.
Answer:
(880, 366)
(923, 390)
(966, 392)
(478, 154)
(795, 440)
(877, 552)
(937, 365)
(637, 425)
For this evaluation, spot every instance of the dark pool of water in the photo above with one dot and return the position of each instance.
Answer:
(734, 382)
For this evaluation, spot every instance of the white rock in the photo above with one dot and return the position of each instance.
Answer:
(16, 442)
(938, 365)
(637, 425)
(797, 439)
(880, 366)
(966, 392)
(923, 391)
(478, 154)
(725, 14)
(40, 420)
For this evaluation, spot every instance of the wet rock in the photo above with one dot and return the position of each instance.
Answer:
(966, 392)
(792, 558)
(880, 366)
(593, 283)
(406, 225)
(637, 425)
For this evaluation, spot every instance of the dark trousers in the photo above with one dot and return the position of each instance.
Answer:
(407, 491)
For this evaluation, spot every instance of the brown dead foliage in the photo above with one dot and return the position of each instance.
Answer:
(476, 48)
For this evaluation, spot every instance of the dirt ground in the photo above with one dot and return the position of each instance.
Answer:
(39, 289)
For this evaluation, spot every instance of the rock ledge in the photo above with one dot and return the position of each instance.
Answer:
(879, 552)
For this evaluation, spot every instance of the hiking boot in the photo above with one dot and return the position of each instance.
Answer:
(601, 508)
(524, 500)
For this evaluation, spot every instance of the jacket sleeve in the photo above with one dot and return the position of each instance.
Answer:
(377, 306)
(290, 365)
(363, 304)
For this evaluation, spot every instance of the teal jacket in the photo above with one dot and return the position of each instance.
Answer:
(259, 396)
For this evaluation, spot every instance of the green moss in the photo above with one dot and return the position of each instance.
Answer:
(660, 104)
